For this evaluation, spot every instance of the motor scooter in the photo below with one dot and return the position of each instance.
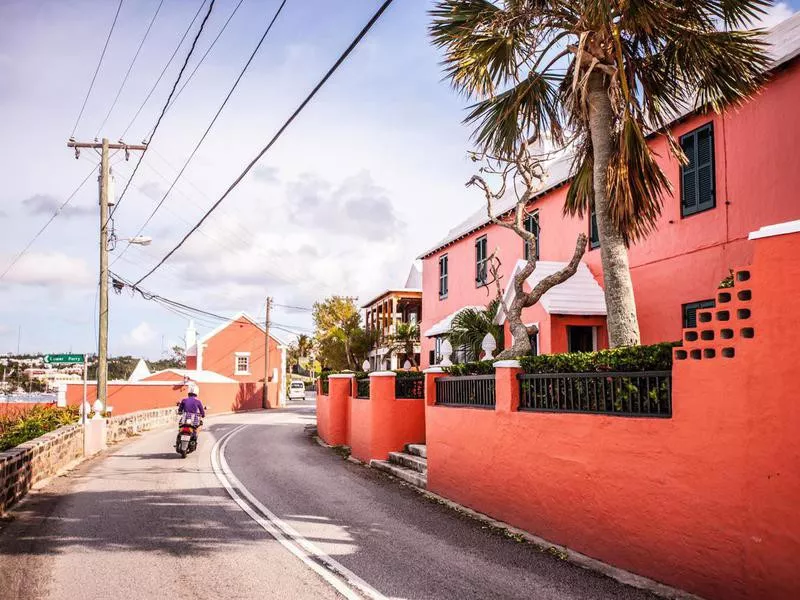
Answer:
(188, 424)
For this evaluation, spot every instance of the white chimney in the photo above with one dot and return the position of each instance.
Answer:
(191, 340)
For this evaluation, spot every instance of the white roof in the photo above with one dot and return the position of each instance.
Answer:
(414, 279)
(784, 45)
(140, 372)
(578, 295)
(443, 326)
(199, 376)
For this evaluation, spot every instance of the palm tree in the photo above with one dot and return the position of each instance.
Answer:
(471, 325)
(403, 340)
(601, 74)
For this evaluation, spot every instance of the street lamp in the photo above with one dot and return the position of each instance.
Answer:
(139, 240)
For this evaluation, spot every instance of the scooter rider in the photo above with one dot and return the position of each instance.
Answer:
(191, 408)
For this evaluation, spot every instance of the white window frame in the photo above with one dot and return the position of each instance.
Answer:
(237, 356)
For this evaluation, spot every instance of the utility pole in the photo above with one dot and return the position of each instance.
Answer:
(265, 401)
(102, 342)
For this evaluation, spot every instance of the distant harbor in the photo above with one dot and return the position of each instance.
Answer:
(40, 398)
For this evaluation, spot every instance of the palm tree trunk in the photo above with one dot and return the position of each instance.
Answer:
(623, 325)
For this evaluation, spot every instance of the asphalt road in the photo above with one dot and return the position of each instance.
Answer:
(140, 522)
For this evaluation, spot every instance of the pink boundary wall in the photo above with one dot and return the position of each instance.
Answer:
(372, 427)
(705, 501)
(125, 398)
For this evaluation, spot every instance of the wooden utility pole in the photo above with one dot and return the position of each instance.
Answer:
(102, 341)
(265, 400)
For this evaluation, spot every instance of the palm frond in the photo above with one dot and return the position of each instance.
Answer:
(635, 183)
(580, 195)
(481, 43)
(531, 108)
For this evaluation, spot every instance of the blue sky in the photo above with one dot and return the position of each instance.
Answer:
(370, 175)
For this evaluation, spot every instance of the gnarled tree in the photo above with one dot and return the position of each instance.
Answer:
(525, 172)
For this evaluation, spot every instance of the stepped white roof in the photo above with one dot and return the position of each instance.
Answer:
(443, 326)
(578, 295)
(140, 372)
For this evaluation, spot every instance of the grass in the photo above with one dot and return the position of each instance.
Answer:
(27, 423)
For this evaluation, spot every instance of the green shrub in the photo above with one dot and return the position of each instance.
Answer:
(657, 357)
(35, 422)
(480, 367)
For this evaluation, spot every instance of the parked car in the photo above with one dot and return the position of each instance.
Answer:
(297, 389)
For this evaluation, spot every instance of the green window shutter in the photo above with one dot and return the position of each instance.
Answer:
(594, 234)
(531, 224)
(690, 311)
(697, 176)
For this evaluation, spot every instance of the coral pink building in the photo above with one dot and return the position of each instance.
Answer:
(743, 173)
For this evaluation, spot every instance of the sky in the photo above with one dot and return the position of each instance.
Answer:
(369, 176)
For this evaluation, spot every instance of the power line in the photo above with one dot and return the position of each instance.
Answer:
(130, 68)
(211, 124)
(97, 70)
(47, 224)
(164, 70)
(166, 104)
(283, 128)
(202, 58)
(303, 308)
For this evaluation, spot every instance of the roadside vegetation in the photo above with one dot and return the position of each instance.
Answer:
(23, 424)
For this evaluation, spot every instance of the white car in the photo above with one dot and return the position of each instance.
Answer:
(297, 389)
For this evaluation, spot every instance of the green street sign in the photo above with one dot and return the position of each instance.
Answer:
(63, 358)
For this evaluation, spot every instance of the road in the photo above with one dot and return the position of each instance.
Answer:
(261, 511)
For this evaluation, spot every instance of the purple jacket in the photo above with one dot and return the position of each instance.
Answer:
(192, 405)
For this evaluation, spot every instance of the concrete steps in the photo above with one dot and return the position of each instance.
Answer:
(411, 466)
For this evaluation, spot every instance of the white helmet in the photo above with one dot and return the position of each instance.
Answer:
(193, 389)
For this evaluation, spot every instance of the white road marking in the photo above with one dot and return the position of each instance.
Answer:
(337, 575)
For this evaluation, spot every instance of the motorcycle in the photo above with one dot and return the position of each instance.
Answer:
(186, 442)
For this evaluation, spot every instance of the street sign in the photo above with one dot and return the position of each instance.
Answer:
(63, 358)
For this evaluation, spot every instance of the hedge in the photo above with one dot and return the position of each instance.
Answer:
(657, 357)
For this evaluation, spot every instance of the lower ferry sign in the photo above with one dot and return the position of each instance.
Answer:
(63, 358)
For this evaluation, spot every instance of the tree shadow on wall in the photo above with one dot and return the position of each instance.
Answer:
(248, 397)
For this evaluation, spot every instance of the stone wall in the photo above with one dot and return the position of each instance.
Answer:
(23, 466)
(125, 426)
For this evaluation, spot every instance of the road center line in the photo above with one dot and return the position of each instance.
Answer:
(346, 582)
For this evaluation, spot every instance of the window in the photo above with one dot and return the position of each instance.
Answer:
(531, 224)
(481, 261)
(594, 234)
(242, 365)
(580, 338)
(690, 311)
(443, 277)
(697, 176)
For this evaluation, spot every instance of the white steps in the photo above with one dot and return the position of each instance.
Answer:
(410, 466)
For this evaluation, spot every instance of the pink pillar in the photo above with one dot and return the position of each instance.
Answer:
(507, 385)
(338, 409)
(431, 375)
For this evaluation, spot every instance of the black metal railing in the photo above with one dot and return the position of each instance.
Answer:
(476, 391)
(324, 385)
(410, 387)
(362, 388)
(628, 394)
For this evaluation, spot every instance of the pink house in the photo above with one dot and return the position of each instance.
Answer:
(743, 174)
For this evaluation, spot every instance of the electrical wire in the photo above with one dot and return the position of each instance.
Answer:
(130, 68)
(275, 138)
(164, 110)
(164, 70)
(97, 70)
(57, 212)
(211, 124)
(303, 308)
(202, 58)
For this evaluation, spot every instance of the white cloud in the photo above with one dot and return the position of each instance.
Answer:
(140, 336)
(773, 15)
(50, 269)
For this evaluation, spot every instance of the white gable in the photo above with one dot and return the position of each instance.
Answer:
(578, 295)
(140, 372)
